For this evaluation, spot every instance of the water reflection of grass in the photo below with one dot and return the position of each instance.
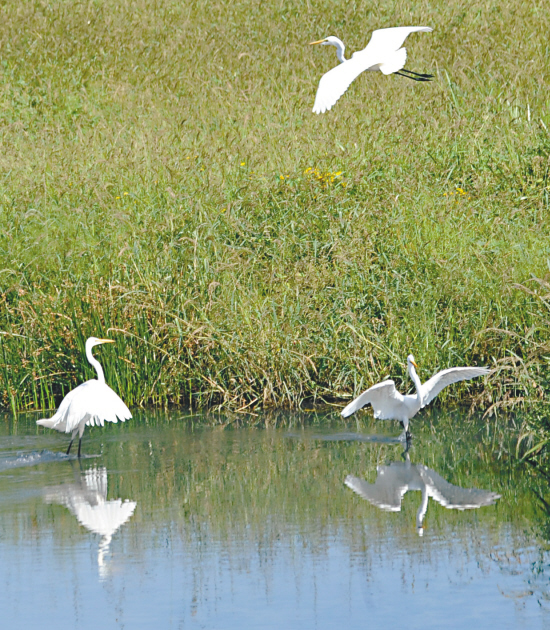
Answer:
(257, 493)
(256, 477)
(143, 199)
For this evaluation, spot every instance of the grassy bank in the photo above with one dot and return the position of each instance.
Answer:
(165, 183)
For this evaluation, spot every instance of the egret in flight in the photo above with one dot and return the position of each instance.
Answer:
(389, 404)
(383, 53)
(91, 403)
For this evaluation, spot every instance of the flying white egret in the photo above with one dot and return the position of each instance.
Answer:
(383, 53)
(389, 404)
(394, 480)
(91, 403)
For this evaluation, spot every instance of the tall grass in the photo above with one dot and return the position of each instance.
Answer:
(165, 182)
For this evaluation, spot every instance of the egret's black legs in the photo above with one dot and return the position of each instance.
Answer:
(79, 445)
(411, 77)
(70, 444)
(418, 74)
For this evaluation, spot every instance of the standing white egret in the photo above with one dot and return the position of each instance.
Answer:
(383, 53)
(389, 404)
(91, 403)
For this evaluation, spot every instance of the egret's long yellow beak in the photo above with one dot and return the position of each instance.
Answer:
(106, 340)
(416, 366)
(319, 42)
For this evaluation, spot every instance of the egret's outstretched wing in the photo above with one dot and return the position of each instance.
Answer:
(454, 497)
(383, 493)
(336, 81)
(383, 397)
(430, 389)
(92, 400)
(386, 40)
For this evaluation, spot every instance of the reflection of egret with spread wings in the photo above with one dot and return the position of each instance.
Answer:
(396, 478)
(87, 500)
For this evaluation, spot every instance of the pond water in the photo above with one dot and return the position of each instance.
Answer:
(167, 523)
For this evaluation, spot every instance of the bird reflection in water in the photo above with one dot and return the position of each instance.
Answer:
(397, 478)
(87, 500)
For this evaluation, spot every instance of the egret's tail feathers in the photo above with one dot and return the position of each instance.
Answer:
(395, 62)
(46, 422)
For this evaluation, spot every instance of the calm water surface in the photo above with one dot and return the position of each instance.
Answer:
(169, 525)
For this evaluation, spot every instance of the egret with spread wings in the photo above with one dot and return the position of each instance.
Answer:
(91, 403)
(384, 52)
(389, 404)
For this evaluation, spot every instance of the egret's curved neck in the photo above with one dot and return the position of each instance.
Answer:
(96, 364)
(416, 381)
(340, 49)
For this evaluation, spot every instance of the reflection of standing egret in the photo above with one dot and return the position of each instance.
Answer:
(397, 478)
(91, 403)
(86, 499)
(389, 404)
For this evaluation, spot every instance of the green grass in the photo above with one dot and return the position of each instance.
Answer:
(155, 188)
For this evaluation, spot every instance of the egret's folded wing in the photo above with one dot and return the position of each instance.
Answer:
(386, 40)
(455, 497)
(379, 396)
(386, 496)
(336, 81)
(430, 389)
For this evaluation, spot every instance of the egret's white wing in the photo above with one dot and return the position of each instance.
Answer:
(336, 81)
(454, 497)
(383, 397)
(430, 389)
(386, 492)
(59, 420)
(387, 40)
(92, 402)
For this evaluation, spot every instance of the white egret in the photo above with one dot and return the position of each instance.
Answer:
(91, 403)
(389, 404)
(383, 53)
(394, 480)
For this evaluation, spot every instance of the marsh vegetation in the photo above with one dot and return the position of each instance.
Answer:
(165, 182)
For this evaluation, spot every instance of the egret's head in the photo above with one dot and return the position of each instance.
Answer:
(95, 341)
(411, 361)
(328, 41)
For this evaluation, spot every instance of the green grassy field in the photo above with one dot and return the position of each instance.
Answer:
(164, 182)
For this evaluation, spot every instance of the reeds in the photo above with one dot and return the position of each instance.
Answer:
(158, 188)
